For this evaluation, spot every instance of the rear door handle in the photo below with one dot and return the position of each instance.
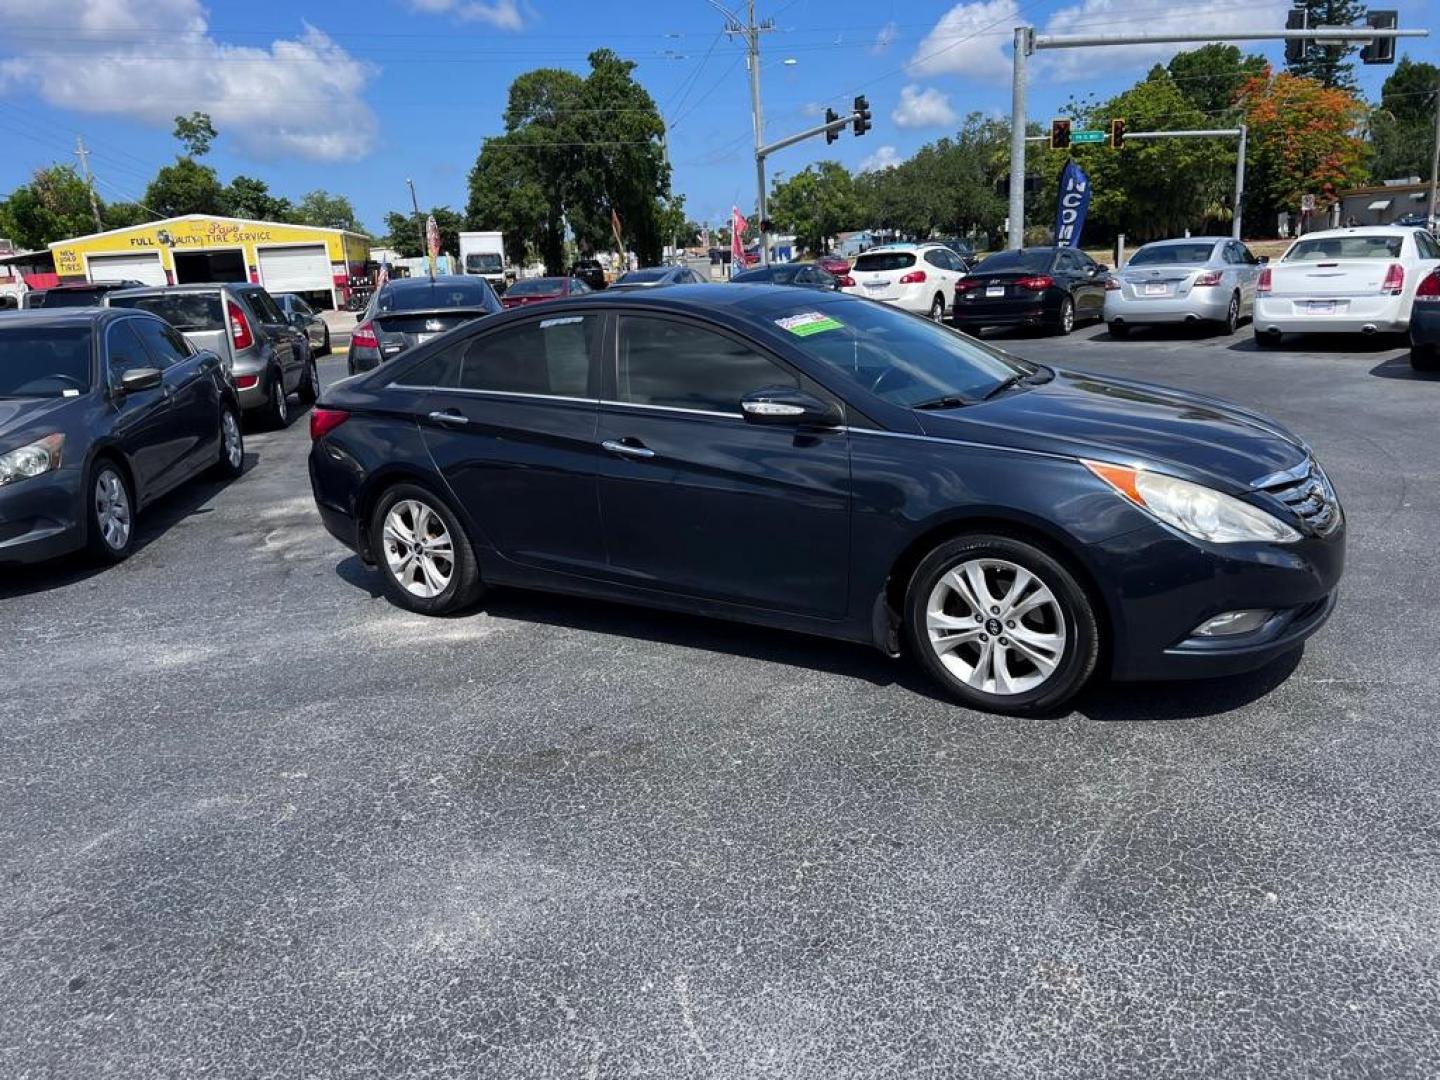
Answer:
(449, 416)
(627, 449)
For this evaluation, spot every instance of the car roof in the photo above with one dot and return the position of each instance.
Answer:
(437, 280)
(753, 302)
(192, 287)
(1186, 240)
(1359, 230)
(68, 316)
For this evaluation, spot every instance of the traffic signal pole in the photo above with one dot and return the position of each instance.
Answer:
(1027, 41)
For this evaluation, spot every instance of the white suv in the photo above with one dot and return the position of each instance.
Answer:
(1358, 280)
(916, 277)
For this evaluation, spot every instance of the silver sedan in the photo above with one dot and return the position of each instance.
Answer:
(1208, 279)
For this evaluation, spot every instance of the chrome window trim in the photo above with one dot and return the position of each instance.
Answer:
(493, 393)
(672, 408)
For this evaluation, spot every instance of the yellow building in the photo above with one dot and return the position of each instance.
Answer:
(317, 263)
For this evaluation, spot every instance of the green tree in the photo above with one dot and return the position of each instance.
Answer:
(1329, 65)
(247, 197)
(54, 205)
(1402, 128)
(187, 187)
(1210, 77)
(328, 211)
(815, 204)
(403, 232)
(195, 133)
(123, 215)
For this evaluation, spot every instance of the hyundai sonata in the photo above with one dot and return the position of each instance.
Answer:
(822, 463)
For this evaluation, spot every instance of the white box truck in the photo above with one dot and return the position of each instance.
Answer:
(483, 254)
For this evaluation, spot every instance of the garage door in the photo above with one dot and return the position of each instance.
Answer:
(295, 269)
(136, 267)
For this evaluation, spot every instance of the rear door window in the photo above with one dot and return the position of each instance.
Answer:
(126, 350)
(264, 306)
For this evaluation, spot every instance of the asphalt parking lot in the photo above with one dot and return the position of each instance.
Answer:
(261, 823)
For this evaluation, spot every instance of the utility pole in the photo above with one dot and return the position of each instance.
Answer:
(84, 156)
(420, 226)
(1027, 41)
(1434, 163)
(751, 31)
(1240, 182)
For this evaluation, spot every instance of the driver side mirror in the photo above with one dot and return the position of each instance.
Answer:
(785, 405)
(142, 378)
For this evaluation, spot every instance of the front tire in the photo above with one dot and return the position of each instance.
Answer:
(1001, 625)
(1424, 358)
(110, 532)
(1065, 321)
(424, 556)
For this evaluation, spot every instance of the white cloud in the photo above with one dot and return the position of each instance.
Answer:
(301, 97)
(886, 37)
(923, 108)
(885, 157)
(501, 14)
(969, 40)
(1115, 17)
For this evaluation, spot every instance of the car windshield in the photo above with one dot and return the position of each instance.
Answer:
(885, 260)
(424, 295)
(1321, 248)
(780, 274)
(902, 358)
(483, 260)
(641, 277)
(1029, 262)
(1172, 255)
(184, 311)
(549, 286)
(56, 298)
(44, 361)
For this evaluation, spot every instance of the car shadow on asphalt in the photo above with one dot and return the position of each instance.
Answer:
(153, 522)
(1341, 345)
(1140, 335)
(1398, 367)
(1102, 700)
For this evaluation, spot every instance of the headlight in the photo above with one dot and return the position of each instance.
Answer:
(1195, 510)
(38, 457)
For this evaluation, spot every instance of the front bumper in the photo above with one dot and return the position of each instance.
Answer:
(41, 517)
(1162, 586)
(1211, 305)
(1350, 315)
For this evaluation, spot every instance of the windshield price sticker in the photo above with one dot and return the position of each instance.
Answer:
(807, 323)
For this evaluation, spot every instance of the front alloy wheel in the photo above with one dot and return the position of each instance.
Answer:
(1001, 624)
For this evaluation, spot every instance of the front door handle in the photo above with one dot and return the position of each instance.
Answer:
(449, 416)
(627, 449)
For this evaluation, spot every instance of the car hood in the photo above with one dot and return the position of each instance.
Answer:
(21, 417)
(1129, 422)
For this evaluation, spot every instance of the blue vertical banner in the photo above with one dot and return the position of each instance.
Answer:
(1073, 204)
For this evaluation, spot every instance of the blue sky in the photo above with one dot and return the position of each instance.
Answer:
(356, 96)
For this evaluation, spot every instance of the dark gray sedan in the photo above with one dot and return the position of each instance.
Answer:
(651, 277)
(102, 411)
(406, 312)
(804, 275)
(304, 318)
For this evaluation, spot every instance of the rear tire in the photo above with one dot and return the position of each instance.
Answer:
(937, 308)
(277, 409)
(310, 385)
(1065, 320)
(110, 513)
(1232, 315)
(424, 555)
(1119, 329)
(325, 345)
(1424, 358)
(951, 639)
(232, 445)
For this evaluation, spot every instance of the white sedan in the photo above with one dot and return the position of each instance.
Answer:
(916, 277)
(1345, 281)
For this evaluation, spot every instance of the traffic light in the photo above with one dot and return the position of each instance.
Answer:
(766, 225)
(862, 115)
(1295, 47)
(834, 133)
(1380, 50)
(1117, 133)
(1060, 134)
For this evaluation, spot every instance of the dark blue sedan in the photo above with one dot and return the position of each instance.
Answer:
(102, 411)
(830, 465)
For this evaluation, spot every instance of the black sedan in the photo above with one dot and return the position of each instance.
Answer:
(801, 275)
(1037, 286)
(826, 464)
(407, 311)
(1425, 324)
(653, 277)
(102, 411)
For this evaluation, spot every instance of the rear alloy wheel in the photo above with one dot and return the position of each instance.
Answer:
(1424, 358)
(1232, 314)
(937, 308)
(423, 553)
(232, 445)
(1066, 320)
(111, 533)
(1001, 625)
(277, 409)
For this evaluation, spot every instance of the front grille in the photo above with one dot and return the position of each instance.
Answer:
(1308, 493)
